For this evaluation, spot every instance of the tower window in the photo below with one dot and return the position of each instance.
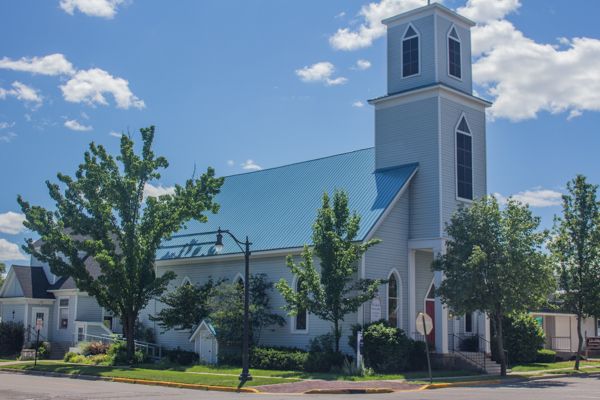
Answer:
(410, 52)
(464, 161)
(454, 64)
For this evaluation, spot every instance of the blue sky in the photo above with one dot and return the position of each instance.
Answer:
(228, 82)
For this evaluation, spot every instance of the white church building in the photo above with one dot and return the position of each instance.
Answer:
(428, 159)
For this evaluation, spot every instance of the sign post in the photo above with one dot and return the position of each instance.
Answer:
(424, 325)
(39, 323)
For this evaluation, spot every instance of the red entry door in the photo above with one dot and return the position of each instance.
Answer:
(430, 310)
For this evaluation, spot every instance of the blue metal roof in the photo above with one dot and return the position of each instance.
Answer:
(276, 207)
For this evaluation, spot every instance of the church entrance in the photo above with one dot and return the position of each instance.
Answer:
(430, 310)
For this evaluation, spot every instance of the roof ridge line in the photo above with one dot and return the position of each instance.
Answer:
(299, 162)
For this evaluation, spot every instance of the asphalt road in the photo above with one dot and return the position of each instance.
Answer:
(29, 387)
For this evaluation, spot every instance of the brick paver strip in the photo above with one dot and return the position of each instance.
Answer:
(303, 386)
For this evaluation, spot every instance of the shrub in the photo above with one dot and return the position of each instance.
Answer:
(321, 355)
(43, 350)
(12, 336)
(278, 358)
(546, 356)
(117, 353)
(94, 348)
(417, 357)
(358, 327)
(182, 357)
(523, 337)
(103, 359)
(386, 349)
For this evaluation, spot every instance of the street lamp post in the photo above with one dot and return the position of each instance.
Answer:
(245, 375)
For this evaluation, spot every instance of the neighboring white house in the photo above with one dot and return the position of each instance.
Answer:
(560, 330)
(428, 159)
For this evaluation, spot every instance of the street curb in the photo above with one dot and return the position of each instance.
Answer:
(462, 384)
(134, 381)
(350, 391)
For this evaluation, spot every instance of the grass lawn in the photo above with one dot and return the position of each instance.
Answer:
(554, 365)
(420, 375)
(144, 373)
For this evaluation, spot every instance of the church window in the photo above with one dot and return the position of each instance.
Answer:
(410, 52)
(464, 161)
(454, 64)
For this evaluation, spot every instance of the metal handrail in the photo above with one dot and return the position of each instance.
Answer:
(477, 358)
(151, 350)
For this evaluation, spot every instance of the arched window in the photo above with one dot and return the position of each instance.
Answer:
(301, 318)
(464, 160)
(410, 52)
(393, 300)
(454, 60)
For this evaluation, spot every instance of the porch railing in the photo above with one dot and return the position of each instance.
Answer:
(151, 350)
(560, 343)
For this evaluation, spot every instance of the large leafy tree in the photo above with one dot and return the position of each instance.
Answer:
(576, 249)
(186, 306)
(494, 263)
(335, 291)
(2, 272)
(101, 215)
(227, 310)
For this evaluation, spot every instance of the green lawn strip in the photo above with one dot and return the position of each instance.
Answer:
(547, 366)
(307, 375)
(143, 373)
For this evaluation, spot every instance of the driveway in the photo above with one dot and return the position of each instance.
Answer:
(22, 387)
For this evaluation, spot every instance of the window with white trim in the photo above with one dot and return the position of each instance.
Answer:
(301, 317)
(469, 323)
(454, 59)
(410, 52)
(393, 300)
(464, 161)
(63, 313)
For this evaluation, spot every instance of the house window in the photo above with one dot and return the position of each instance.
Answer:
(301, 318)
(410, 52)
(469, 323)
(393, 300)
(454, 64)
(63, 313)
(464, 161)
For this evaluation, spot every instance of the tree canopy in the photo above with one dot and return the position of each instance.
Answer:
(494, 262)
(576, 250)
(102, 215)
(333, 292)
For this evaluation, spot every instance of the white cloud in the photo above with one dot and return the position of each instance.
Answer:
(53, 64)
(320, 72)
(93, 8)
(12, 222)
(74, 125)
(22, 92)
(90, 86)
(10, 251)
(371, 28)
(115, 134)
(358, 104)
(8, 137)
(536, 197)
(342, 14)
(230, 163)
(250, 165)
(155, 191)
(482, 11)
(363, 64)
(6, 125)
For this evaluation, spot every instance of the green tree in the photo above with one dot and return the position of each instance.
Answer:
(334, 292)
(576, 249)
(100, 214)
(2, 272)
(186, 306)
(227, 310)
(494, 263)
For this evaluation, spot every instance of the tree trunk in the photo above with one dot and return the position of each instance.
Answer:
(579, 343)
(500, 345)
(130, 336)
(336, 335)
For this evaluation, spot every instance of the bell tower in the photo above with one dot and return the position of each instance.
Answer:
(429, 115)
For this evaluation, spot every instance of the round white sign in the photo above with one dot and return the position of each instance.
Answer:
(424, 324)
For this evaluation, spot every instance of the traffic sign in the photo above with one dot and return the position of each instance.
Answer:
(424, 324)
(39, 324)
